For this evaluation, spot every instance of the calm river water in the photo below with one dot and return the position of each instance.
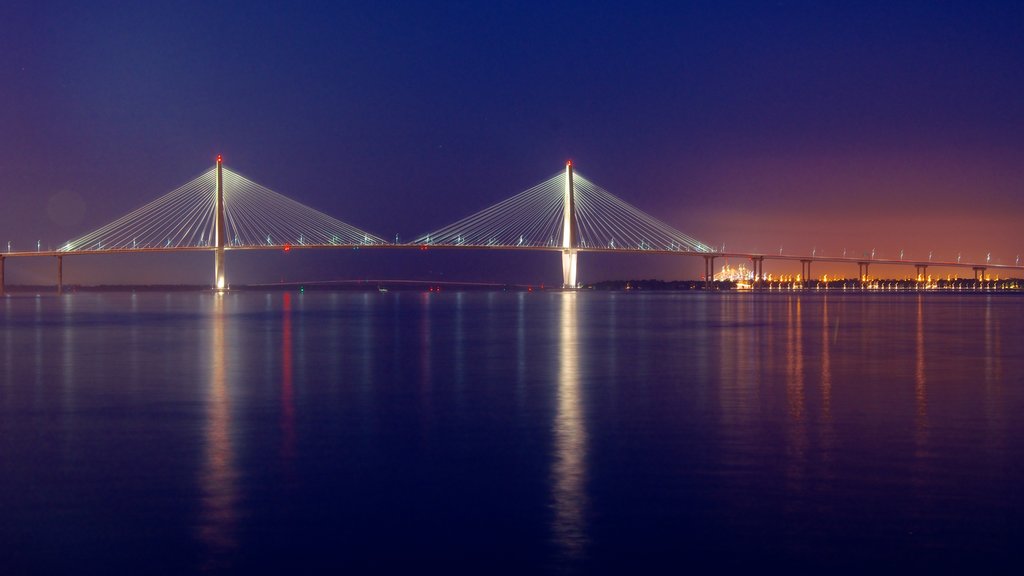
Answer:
(509, 432)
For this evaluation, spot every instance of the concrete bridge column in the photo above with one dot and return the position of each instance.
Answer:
(1, 275)
(569, 258)
(805, 272)
(60, 274)
(922, 273)
(979, 274)
(709, 272)
(758, 263)
(863, 273)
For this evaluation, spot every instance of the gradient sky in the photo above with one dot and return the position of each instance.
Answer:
(810, 125)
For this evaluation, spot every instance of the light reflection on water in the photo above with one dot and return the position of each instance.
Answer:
(797, 429)
(920, 384)
(218, 478)
(511, 432)
(570, 473)
(827, 433)
(287, 384)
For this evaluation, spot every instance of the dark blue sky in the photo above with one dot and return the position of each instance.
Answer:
(808, 125)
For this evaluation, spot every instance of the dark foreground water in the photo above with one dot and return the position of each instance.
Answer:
(509, 432)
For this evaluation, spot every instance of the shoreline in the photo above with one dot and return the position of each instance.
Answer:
(965, 286)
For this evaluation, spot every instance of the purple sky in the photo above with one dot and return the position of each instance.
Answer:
(805, 125)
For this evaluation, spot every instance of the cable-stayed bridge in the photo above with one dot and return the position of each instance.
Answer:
(221, 211)
(188, 218)
(565, 213)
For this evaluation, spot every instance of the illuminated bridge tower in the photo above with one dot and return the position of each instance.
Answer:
(219, 231)
(569, 232)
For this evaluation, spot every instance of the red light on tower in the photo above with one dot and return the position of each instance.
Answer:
(287, 247)
(568, 162)
(219, 159)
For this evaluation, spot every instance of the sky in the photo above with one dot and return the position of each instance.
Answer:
(755, 125)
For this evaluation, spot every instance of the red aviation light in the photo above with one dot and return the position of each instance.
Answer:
(220, 159)
(287, 247)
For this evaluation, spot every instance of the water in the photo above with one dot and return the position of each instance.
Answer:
(509, 432)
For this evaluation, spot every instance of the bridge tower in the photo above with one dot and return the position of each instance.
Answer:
(569, 232)
(220, 231)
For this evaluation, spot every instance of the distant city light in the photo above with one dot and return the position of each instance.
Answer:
(734, 274)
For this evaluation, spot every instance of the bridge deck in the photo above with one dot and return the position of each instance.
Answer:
(424, 247)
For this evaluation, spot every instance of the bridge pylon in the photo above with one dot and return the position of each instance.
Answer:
(220, 231)
(569, 232)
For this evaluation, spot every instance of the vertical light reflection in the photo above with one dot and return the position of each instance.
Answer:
(334, 340)
(702, 362)
(218, 478)
(826, 365)
(920, 390)
(795, 362)
(727, 348)
(988, 340)
(460, 348)
(287, 390)
(268, 339)
(746, 351)
(425, 346)
(569, 474)
(134, 361)
(993, 365)
(610, 354)
(520, 349)
(827, 433)
(797, 429)
(739, 380)
(68, 369)
(993, 370)
(39, 348)
(737, 377)
(366, 345)
(425, 365)
(8, 350)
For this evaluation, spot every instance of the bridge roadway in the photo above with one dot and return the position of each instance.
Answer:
(709, 257)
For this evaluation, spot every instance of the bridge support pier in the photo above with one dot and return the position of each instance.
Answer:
(60, 274)
(758, 264)
(709, 272)
(805, 272)
(979, 275)
(1, 275)
(922, 273)
(863, 273)
(569, 269)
